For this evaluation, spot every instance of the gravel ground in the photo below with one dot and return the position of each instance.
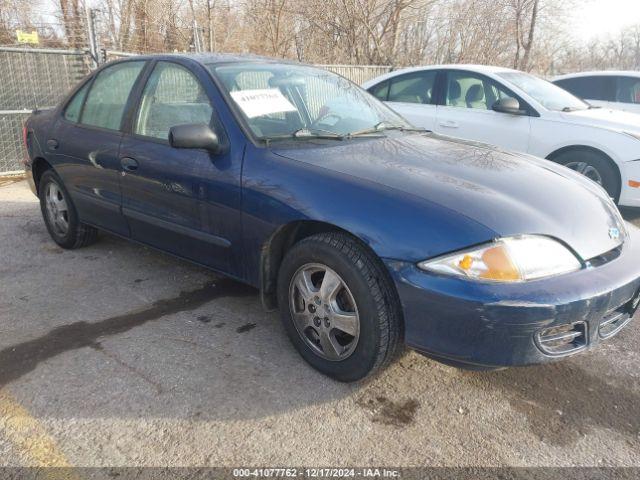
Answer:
(119, 355)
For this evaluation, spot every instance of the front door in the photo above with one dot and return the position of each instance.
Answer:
(467, 112)
(183, 201)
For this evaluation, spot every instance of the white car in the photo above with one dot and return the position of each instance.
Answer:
(518, 111)
(618, 90)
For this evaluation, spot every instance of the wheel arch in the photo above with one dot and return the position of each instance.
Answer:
(276, 247)
(38, 167)
(577, 148)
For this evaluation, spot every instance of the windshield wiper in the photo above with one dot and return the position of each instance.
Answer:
(382, 126)
(313, 132)
(319, 133)
(307, 133)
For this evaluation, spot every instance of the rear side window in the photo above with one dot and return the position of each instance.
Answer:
(413, 87)
(628, 90)
(108, 96)
(72, 112)
(589, 88)
(380, 91)
(172, 96)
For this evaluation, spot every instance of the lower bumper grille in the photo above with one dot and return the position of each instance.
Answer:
(614, 321)
(563, 339)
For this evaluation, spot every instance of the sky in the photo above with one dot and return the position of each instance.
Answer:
(595, 18)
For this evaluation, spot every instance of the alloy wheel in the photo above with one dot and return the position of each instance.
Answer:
(57, 209)
(587, 170)
(324, 311)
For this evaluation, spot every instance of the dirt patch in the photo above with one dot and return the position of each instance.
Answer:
(246, 327)
(387, 412)
(5, 181)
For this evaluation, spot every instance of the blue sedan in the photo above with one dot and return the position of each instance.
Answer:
(366, 233)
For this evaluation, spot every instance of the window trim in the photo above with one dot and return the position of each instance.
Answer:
(531, 112)
(91, 79)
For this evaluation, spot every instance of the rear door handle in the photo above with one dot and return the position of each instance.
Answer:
(52, 143)
(129, 164)
(449, 124)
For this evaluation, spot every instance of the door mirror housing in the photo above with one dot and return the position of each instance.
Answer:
(195, 135)
(508, 105)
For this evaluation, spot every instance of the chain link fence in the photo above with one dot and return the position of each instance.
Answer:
(31, 79)
(38, 76)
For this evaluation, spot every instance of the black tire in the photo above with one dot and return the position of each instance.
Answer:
(600, 162)
(77, 234)
(378, 307)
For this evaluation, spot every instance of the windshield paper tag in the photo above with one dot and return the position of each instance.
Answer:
(255, 103)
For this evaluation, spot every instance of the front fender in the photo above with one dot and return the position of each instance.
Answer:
(394, 224)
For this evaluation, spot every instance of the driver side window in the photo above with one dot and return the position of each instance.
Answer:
(470, 90)
(172, 96)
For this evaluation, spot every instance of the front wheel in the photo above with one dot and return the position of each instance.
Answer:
(60, 215)
(594, 166)
(338, 306)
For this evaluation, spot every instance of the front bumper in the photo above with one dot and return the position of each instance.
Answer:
(489, 325)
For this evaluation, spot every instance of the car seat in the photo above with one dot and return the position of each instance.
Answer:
(455, 91)
(475, 97)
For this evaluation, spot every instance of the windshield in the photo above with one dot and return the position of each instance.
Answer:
(295, 101)
(546, 93)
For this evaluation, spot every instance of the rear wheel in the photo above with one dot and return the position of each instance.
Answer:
(60, 215)
(594, 166)
(338, 306)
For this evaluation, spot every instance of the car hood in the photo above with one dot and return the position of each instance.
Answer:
(606, 118)
(510, 194)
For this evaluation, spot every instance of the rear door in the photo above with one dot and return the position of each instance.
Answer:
(412, 95)
(467, 112)
(85, 142)
(185, 201)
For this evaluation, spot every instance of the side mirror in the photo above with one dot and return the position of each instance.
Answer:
(196, 135)
(508, 105)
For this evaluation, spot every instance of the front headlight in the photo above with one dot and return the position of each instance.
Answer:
(514, 259)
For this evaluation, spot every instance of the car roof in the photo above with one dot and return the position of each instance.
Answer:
(213, 58)
(605, 73)
(454, 66)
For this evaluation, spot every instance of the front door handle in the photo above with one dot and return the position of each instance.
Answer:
(129, 164)
(449, 124)
(52, 143)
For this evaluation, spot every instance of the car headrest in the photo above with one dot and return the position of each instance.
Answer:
(474, 94)
(454, 89)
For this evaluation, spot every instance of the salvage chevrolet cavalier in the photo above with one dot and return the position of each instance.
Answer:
(365, 232)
